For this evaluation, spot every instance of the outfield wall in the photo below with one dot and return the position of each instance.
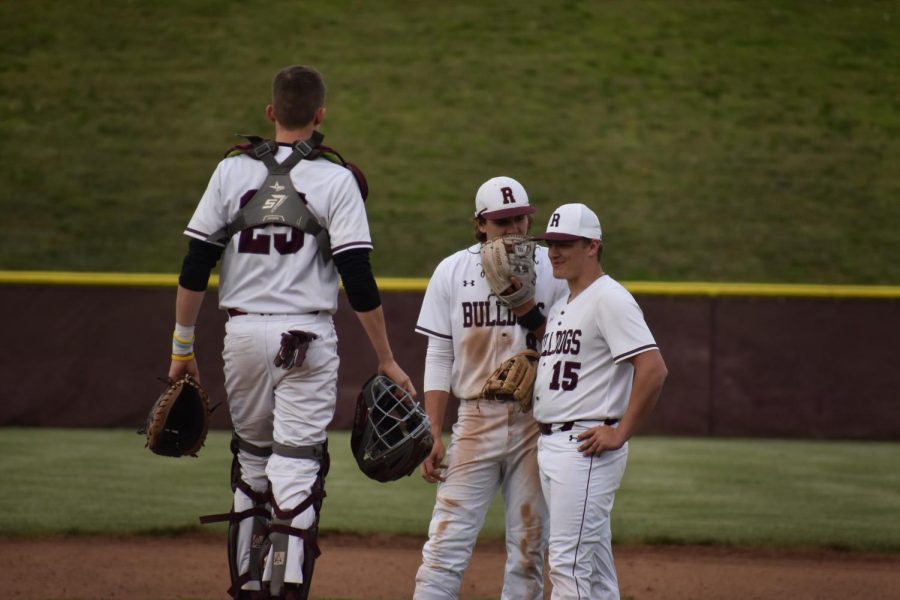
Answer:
(83, 350)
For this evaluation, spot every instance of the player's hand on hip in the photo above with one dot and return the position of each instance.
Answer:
(433, 465)
(398, 375)
(598, 439)
(180, 368)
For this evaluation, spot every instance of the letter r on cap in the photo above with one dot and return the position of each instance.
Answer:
(554, 220)
(508, 197)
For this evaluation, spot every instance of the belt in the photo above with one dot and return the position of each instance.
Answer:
(233, 312)
(498, 397)
(547, 428)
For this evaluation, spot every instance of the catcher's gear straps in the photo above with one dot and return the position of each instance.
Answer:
(259, 526)
(281, 523)
(277, 201)
(280, 528)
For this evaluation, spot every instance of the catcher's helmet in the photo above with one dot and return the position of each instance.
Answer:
(391, 433)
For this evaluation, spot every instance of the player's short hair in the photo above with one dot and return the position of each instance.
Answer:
(480, 236)
(297, 93)
(587, 242)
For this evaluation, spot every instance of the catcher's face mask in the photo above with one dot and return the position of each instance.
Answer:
(391, 433)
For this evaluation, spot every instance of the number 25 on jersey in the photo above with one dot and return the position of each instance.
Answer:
(254, 241)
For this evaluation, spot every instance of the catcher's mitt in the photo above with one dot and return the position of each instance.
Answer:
(514, 379)
(505, 257)
(178, 422)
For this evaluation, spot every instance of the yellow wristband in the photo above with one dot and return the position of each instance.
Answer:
(183, 357)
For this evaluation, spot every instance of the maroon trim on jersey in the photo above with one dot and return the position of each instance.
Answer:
(203, 237)
(189, 230)
(349, 245)
(635, 352)
(421, 329)
(507, 212)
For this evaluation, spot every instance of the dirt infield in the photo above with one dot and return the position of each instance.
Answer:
(194, 566)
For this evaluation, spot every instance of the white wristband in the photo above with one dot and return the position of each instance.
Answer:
(183, 339)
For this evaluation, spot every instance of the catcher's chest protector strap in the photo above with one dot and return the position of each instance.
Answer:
(277, 202)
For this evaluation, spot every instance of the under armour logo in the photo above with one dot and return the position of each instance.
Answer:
(554, 220)
(276, 186)
(274, 201)
(573, 438)
(508, 197)
(468, 282)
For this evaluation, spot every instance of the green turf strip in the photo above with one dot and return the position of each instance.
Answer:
(676, 490)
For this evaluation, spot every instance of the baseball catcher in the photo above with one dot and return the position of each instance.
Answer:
(514, 379)
(391, 433)
(505, 258)
(179, 419)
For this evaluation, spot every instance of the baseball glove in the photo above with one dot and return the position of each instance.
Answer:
(505, 257)
(178, 422)
(514, 379)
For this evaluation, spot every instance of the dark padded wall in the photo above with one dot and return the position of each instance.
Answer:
(823, 368)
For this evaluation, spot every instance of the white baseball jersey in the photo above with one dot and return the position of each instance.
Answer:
(583, 373)
(460, 307)
(276, 268)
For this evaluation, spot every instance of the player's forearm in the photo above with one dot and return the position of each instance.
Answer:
(435, 408)
(372, 322)
(187, 306)
(531, 318)
(649, 375)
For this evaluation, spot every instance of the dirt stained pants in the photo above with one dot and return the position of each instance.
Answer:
(493, 447)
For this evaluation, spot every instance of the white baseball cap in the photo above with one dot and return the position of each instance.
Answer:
(501, 197)
(572, 222)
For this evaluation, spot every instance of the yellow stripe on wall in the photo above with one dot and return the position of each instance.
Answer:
(418, 284)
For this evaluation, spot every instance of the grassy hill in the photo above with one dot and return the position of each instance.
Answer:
(718, 140)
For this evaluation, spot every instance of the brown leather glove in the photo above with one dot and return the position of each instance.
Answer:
(179, 419)
(514, 379)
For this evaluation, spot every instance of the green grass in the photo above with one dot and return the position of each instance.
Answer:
(810, 494)
(718, 139)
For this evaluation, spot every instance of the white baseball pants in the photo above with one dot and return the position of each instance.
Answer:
(493, 446)
(580, 491)
(290, 407)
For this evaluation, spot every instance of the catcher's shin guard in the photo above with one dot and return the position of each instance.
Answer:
(282, 528)
(248, 529)
(248, 541)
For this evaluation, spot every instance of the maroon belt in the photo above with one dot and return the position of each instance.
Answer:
(233, 312)
(547, 428)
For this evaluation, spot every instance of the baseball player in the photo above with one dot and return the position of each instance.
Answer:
(493, 444)
(280, 351)
(599, 376)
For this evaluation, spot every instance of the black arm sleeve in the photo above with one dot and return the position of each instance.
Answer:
(198, 264)
(359, 283)
(533, 319)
